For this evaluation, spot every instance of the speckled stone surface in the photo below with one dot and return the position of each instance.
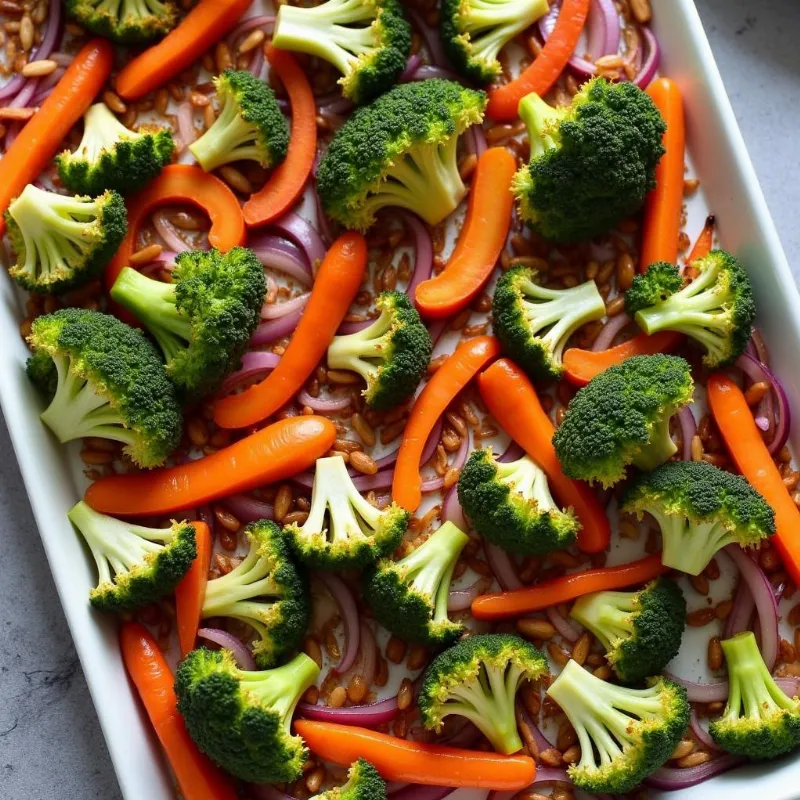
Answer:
(50, 743)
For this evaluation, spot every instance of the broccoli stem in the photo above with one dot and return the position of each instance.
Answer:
(230, 138)
(101, 131)
(607, 615)
(541, 120)
(687, 545)
(659, 449)
(352, 351)
(226, 595)
(525, 477)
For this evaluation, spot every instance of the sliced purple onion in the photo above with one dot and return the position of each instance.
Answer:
(651, 61)
(426, 72)
(327, 405)
(714, 692)
(757, 372)
(513, 453)
(423, 251)
(227, 640)
(283, 255)
(371, 483)
(323, 224)
(451, 509)
(430, 37)
(543, 775)
(436, 329)
(789, 685)
(610, 331)
(249, 24)
(701, 734)
(366, 716)
(762, 423)
(502, 566)
(416, 791)
(185, 120)
(166, 230)
(337, 106)
(273, 329)
(205, 515)
(688, 430)
(741, 611)
(479, 143)
(280, 310)
(256, 362)
(341, 593)
(247, 509)
(301, 232)
(672, 778)
(564, 627)
(461, 599)
(412, 65)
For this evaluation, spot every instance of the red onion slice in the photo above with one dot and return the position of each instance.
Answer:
(543, 775)
(502, 566)
(324, 405)
(270, 330)
(427, 71)
(247, 25)
(701, 734)
(436, 330)
(741, 612)
(513, 453)
(651, 62)
(412, 65)
(371, 483)
(757, 372)
(610, 331)
(715, 692)
(416, 791)
(301, 232)
(461, 599)
(247, 509)
(430, 37)
(186, 131)
(278, 310)
(423, 251)
(367, 716)
(166, 230)
(256, 362)
(227, 640)
(672, 778)
(284, 256)
(688, 430)
(451, 509)
(564, 627)
(341, 593)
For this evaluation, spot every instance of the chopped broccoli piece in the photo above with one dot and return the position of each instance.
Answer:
(368, 41)
(592, 163)
(641, 631)
(478, 678)
(621, 417)
(363, 783)
(409, 596)
(136, 565)
(391, 354)
(125, 21)
(700, 509)
(242, 719)
(110, 384)
(534, 324)
(400, 151)
(62, 242)
(624, 734)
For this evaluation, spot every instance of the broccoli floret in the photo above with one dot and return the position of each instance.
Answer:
(250, 126)
(136, 565)
(534, 324)
(62, 242)
(592, 163)
(391, 354)
(478, 678)
(368, 41)
(641, 631)
(110, 384)
(363, 783)
(204, 320)
(409, 596)
(474, 32)
(400, 151)
(344, 530)
(110, 156)
(125, 21)
(700, 509)
(716, 309)
(624, 734)
(267, 591)
(760, 721)
(242, 719)
(621, 417)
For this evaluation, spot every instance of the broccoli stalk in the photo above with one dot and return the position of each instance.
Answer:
(125, 21)
(363, 783)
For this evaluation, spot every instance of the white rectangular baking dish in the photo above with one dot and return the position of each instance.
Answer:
(729, 188)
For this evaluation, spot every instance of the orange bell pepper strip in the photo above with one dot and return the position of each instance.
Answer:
(191, 591)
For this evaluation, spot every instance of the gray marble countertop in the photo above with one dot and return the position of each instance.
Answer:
(50, 742)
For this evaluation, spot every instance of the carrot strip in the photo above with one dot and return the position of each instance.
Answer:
(276, 452)
(191, 591)
(513, 402)
(204, 25)
(567, 587)
(197, 777)
(416, 762)
(44, 134)
(734, 418)
(335, 288)
(547, 67)
(705, 241)
(288, 181)
(481, 242)
(456, 372)
(662, 210)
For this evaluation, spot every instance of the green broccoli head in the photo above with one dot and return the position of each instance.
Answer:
(700, 509)
(624, 734)
(110, 383)
(62, 243)
(364, 782)
(344, 530)
(592, 163)
(136, 565)
(641, 631)
(368, 41)
(534, 324)
(391, 354)
(242, 720)
(204, 320)
(400, 151)
(760, 721)
(409, 596)
(621, 417)
(125, 21)
(716, 309)
(110, 156)
(474, 32)
(478, 678)
(250, 126)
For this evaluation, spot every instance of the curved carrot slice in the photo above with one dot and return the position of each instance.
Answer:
(289, 179)
(44, 133)
(336, 285)
(513, 402)
(459, 369)
(278, 451)
(546, 68)
(204, 25)
(705, 241)
(197, 777)
(416, 762)
(191, 591)
(567, 587)
(481, 242)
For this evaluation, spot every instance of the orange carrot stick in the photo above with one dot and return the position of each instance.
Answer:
(276, 452)
(481, 242)
(456, 372)
(191, 591)
(335, 288)
(513, 402)
(416, 762)
(197, 777)
(43, 135)
(204, 25)
(288, 181)
(705, 241)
